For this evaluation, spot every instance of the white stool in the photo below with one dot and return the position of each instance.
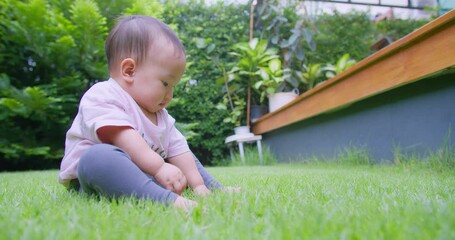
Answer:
(244, 138)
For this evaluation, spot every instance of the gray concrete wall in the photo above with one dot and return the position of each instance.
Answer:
(417, 117)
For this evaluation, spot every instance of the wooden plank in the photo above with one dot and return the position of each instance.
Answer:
(425, 51)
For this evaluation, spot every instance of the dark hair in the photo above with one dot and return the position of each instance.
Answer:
(134, 36)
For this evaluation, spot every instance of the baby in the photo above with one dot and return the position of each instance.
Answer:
(123, 142)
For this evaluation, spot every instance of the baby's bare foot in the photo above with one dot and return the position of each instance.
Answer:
(185, 204)
(231, 189)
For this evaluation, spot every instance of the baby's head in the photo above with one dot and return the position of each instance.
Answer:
(147, 60)
(138, 38)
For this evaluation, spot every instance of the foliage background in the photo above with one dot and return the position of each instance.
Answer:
(52, 51)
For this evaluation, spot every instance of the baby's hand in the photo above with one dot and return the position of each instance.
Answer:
(201, 190)
(171, 178)
(184, 204)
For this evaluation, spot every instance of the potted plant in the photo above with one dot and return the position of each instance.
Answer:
(342, 64)
(272, 78)
(254, 58)
(311, 75)
(233, 100)
(236, 106)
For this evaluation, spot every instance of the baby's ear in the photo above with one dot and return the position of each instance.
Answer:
(128, 67)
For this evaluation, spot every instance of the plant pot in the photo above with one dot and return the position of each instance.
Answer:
(242, 130)
(280, 99)
(257, 111)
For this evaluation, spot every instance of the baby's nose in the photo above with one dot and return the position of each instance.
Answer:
(169, 95)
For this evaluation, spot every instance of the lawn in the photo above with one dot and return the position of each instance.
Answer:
(284, 201)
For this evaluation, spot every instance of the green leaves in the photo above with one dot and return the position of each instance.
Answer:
(208, 33)
(14, 106)
(16, 151)
(254, 56)
(259, 67)
(51, 49)
(90, 32)
(342, 64)
(285, 29)
(235, 115)
(275, 65)
(312, 73)
(31, 102)
(252, 44)
(187, 129)
(146, 7)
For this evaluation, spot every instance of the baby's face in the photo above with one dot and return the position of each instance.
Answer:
(155, 79)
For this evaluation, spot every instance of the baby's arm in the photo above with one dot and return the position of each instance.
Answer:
(145, 158)
(185, 162)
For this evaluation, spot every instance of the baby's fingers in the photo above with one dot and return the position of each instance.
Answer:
(201, 190)
(180, 185)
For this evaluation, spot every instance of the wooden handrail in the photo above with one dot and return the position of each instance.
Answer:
(425, 51)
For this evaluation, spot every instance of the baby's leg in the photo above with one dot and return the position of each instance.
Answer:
(209, 181)
(108, 170)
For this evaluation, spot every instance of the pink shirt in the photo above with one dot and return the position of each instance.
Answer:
(107, 104)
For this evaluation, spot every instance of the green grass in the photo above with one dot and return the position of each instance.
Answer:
(251, 157)
(284, 201)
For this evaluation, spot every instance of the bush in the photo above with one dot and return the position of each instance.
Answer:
(397, 28)
(202, 29)
(354, 33)
(338, 34)
(48, 60)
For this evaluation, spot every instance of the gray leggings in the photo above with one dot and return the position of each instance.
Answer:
(107, 170)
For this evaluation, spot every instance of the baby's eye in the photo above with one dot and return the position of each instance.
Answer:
(165, 84)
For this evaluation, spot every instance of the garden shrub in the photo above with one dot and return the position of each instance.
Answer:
(397, 28)
(202, 29)
(48, 60)
(338, 34)
(354, 33)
